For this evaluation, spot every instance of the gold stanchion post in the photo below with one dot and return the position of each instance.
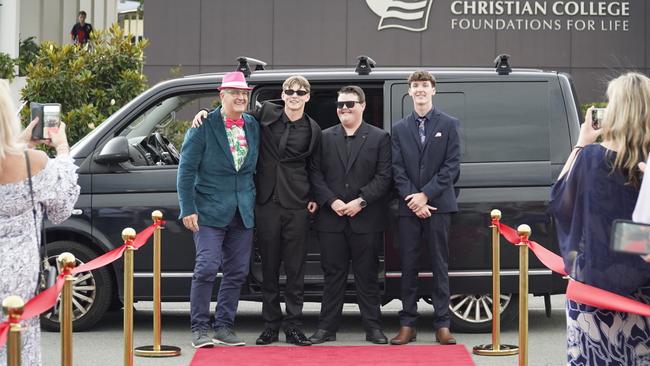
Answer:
(128, 235)
(157, 350)
(524, 233)
(496, 348)
(13, 307)
(66, 262)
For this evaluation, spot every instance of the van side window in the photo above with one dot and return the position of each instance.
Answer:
(507, 121)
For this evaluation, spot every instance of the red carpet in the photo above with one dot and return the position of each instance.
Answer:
(333, 355)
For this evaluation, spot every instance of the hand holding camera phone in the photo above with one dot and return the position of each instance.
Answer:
(49, 116)
(597, 116)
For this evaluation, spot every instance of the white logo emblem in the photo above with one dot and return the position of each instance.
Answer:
(410, 15)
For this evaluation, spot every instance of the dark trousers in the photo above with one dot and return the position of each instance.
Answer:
(337, 249)
(434, 231)
(282, 238)
(228, 248)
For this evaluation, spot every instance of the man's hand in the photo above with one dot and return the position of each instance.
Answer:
(198, 119)
(353, 207)
(416, 201)
(425, 212)
(338, 206)
(191, 222)
(312, 207)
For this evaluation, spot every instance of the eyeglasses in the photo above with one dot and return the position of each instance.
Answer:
(300, 93)
(348, 103)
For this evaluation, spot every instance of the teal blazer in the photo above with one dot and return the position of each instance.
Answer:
(207, 181)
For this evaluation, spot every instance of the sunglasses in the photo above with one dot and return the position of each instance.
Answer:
(349, 104)
(300, 93)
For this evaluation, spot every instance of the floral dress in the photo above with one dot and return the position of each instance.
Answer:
(584, 204)
(56, 191)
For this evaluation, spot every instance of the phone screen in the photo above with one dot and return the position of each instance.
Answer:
(51, 118)
(631, 237)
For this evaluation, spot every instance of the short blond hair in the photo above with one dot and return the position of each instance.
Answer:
(9, 125)
(299, 80)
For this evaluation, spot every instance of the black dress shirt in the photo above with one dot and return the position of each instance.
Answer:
(297, 139)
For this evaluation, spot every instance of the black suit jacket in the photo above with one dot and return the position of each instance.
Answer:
(367, 173)
(289, 177)
(432, 168)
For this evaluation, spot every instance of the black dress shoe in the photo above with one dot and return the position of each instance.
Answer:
(376, 336)
(268, 336)
(297, 337)
(321, 336)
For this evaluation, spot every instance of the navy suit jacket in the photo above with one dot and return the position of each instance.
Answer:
(432, 168)
(208, 183)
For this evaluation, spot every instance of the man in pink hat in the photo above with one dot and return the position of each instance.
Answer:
(216, 194)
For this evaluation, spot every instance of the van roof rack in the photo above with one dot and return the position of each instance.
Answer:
(364, 65)
(245, 63)
(502, 64)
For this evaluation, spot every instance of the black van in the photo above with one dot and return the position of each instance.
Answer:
(517, 129)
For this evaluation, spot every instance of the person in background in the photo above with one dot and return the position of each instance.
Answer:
(598, 184)
(55, 190)
(80, 32)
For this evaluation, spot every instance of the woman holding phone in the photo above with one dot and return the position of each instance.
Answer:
(55, 191)
(600, 183)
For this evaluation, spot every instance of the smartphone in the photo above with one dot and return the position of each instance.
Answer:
(630, 237)
(597, 115)
(49, 116)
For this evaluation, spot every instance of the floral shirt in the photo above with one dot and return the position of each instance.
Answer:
(237, 141)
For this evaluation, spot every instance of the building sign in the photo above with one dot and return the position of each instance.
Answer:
(514, 15)
(405, 14)
(541, 15)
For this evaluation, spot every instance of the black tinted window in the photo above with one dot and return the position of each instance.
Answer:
(322, 104)
(499, 121)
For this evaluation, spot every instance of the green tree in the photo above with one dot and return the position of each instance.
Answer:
(91, 83)
(6, 66)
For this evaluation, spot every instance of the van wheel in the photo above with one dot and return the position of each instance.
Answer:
(472, 313)
(91, 291)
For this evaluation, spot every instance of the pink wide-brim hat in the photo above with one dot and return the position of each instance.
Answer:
(234, 80)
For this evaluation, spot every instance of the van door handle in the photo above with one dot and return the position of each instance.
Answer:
(77, 212)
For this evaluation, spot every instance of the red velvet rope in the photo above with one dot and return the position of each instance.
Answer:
(576, 291)
(48, 298)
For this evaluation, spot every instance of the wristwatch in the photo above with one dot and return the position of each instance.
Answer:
(362, 202)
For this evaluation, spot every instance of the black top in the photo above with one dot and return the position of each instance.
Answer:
(81, 33)
(297, 140)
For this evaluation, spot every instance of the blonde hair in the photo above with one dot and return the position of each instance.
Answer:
(9, 126)
(627, 123)
(299, 80)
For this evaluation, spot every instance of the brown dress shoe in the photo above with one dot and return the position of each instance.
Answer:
(444, 336)
(404, 336)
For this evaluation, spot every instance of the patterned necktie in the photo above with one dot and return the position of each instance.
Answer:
(423, 136)
(230, 123)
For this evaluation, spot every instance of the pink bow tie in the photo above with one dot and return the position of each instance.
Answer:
(230, 123)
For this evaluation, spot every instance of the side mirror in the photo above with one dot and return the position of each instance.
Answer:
(115, 151)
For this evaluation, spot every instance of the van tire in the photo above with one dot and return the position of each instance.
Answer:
(86, 313)
(469, 323)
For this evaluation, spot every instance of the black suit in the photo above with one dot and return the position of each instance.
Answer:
(348, 170)
(431, 168)
(282, 219)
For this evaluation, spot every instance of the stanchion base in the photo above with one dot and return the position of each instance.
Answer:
(488, 350)
(165, 351)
